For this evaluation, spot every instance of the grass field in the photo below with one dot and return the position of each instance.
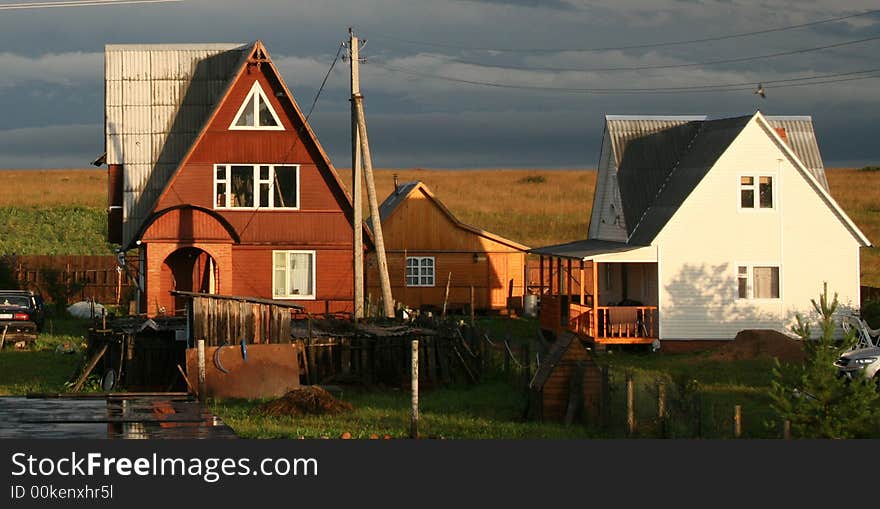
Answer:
(63, 211)
(41, 369)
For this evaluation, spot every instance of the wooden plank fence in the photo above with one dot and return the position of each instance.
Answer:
(96, 275)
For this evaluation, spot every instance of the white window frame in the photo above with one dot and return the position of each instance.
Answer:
(750, 281)
(419, 276)
(313, 275)
(256, 89)
(256, 190)
(756, 192)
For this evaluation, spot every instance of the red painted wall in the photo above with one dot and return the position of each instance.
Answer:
(321, 223)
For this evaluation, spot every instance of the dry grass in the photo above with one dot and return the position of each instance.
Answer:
(513, 203)
(49, 188)
(534, 207)
(858, 192)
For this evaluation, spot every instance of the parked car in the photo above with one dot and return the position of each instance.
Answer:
(22, 314)
(860, 359)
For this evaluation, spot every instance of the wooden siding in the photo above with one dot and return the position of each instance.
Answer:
(322, 215)
(244, 265)
(490, 276)
(556, 391)
(186, 224)
(334, 282)
(418, 227)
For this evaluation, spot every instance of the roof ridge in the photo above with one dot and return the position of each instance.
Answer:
(667, 179)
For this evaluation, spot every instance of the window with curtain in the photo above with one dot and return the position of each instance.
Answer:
(293, 274)
(757, 282)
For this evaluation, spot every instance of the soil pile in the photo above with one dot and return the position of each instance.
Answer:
(310, 400)
(754, 344)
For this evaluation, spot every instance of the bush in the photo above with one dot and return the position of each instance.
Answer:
(871, 313)
(533, 179)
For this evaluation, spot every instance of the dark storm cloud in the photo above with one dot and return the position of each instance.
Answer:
(51, 87)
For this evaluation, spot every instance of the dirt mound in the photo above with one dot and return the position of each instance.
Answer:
(754, 344)
(304, 401)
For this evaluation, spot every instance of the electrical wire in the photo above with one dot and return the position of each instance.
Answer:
(831, 78)
(79, 3)
(631, 46)
(669, 66)
(302, 128)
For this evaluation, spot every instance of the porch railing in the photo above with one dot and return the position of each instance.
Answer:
(614, 321)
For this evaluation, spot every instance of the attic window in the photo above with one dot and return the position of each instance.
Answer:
(256, 112)
(756, 192)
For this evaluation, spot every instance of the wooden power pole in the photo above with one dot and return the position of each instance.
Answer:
(357, 101)
(356, 180)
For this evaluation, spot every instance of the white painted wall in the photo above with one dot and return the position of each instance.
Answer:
(701, 246)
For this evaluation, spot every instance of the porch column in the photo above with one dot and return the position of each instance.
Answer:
(595, 322)
(541, 276)
(568, 278)
(582, 282)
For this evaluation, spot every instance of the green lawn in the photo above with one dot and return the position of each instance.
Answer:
(40, 368)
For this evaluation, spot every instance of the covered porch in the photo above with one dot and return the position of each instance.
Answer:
(605, 290)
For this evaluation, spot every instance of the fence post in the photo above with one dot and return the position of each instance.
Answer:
(737, 421)
(202, 373)
(605, 402)
(786, 430)
(661, 408)
(630, 405)
(414, 373)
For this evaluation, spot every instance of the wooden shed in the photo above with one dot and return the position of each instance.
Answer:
(568, 383)
(427, 246)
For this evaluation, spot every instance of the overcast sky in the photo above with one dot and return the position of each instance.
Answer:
(51, 83)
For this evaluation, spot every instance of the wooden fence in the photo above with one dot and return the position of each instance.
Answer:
(94, 276)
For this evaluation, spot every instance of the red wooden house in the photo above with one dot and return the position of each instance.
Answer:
(218, 181)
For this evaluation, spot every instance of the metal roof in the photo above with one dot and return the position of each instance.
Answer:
(584, 249)
(709, 141)
(157, 99)
(800, 135)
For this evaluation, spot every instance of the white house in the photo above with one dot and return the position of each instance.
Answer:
(700, 229)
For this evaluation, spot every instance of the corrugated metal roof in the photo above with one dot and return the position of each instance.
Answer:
(799, 130)
(394, 199)
(158, 97)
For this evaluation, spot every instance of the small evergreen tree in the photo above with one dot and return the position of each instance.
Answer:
(812, 397)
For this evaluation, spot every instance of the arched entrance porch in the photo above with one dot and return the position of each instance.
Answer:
(187, 269)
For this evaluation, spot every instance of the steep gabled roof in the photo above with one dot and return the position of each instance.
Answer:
(405, 190)
(201, 76)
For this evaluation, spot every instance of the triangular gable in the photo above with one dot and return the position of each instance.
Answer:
(812, 180)
(400, 195)
(258, 55)
(256, 112)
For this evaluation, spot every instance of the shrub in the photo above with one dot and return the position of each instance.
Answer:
(812, 397)
(533, 179)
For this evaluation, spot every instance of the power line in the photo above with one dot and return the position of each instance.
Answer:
(784, 83)
(631, 46)
(668, 66)
(78, 3)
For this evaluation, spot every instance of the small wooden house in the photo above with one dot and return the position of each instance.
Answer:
(427, 247)
(568, 383)
(218, 182)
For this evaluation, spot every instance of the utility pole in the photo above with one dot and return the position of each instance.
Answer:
(378, 240)
(356, 179)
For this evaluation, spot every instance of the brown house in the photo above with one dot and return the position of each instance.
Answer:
(427, 246)
(218, 182)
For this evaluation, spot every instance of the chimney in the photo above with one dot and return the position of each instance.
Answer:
(781, 132)
(396, 185)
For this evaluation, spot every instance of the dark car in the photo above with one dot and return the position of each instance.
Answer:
(21, 315)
